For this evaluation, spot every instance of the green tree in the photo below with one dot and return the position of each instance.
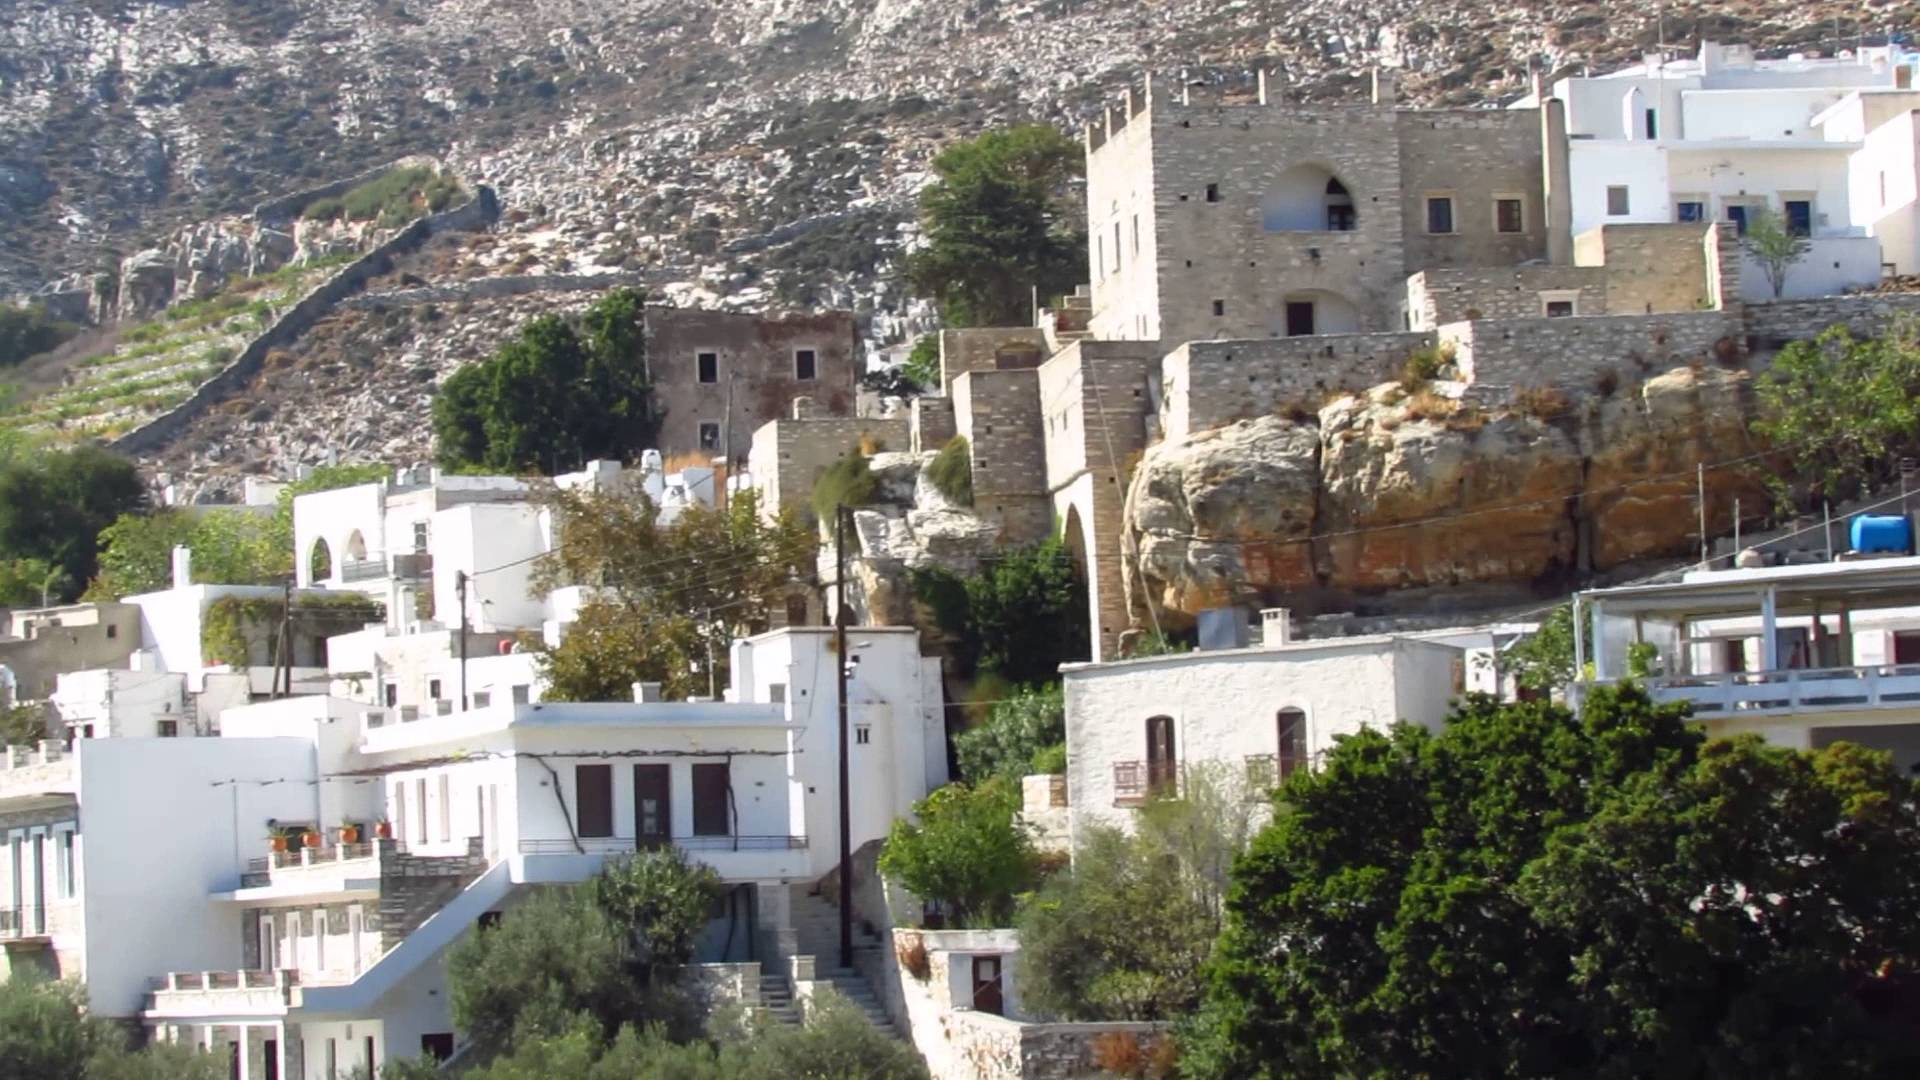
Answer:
(54, 503)
(46, 1034)
(586, 959)
(663, 597)
(923, 362)
(1543, 660)
(1000, 223)
(230, 547)
(27, 331)
(1842, 411)
(560, 393)
(22, 725)
(966, 852)
(1774, 246)
(1126, 933)
(31, 582)
(1021, 617)
(1533, 892)
(1017, 728)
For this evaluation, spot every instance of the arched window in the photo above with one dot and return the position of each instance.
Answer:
(356, 547)
(320, 561)
(1308, 198)
(1293, 741)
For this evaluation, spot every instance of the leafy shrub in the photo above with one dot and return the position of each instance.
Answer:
(1016, 729)
(392, 198)
(923, 362)
(847, 482)
(911, 951)
(965, 850)
(1542, 402)
(1049, 760)
(1424, 365)
(951, 471)
(29, 331)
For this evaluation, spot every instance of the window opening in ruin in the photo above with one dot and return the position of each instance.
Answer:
(1219, 307)
(1617, 202)
(805, 364)
(1440, 214)
(709, 436)
(1509, 215)
(1213, 192)
(1299, 318)
(709, 365)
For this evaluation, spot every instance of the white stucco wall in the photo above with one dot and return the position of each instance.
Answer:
(494, 544)
(335, 516)
(1225, 705)
(1772, 113)
(165, 823)
(1885, 184)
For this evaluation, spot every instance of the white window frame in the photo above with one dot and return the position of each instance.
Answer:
(1555, 296)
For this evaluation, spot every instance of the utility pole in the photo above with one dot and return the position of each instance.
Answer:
(840, 516)
(713, 692)
(460, 588)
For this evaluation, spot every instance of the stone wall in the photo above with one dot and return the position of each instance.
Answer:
(788, 455)
(989, 349)
(996, 1048)
(414, 887)
(1206, 384)
(492, 288)
(1458, 294)
(1649, 268)
(475, 213)
(1474, 156)
(1777, 322)
(932, 423)
(999, 414)
(286, 207)
(1574, 353)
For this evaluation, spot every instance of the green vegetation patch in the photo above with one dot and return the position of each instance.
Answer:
(391, 199)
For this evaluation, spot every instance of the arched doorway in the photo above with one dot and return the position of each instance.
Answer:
(1308, 198)
(1074, 538)
(320, 561)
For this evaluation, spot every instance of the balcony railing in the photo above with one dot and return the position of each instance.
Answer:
(253, 979)
(1134, 781)
(413, 566)
(259, 871)
(620, 845)
(363, 570)
(1748, 693)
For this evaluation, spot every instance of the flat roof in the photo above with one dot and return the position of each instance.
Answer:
(1291, 650)
(1854, 577)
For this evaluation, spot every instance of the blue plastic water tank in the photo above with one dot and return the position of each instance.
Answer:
(1881, 532)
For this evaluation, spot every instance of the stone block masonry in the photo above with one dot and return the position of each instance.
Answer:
(789, 455)
(1773, 324)
(999, 414)
(1573, 353)
(1649, 268)
(932, 423)
(989, 349)
(1458, 294)
(1209, 384)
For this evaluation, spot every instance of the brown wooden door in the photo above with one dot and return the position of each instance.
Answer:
(652, 806)
(593, 796)
(1160, 757)
(986, 985)
(710, 801)
(1293, 741)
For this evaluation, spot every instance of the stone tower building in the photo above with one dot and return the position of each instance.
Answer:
(1251, 218)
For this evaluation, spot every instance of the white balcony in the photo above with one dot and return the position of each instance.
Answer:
(1761, 693)
(37, 777)
(195, 994)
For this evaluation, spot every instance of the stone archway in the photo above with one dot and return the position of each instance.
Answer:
(1308, 198)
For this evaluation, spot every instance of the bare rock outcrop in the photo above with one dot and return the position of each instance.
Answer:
(1385, 491)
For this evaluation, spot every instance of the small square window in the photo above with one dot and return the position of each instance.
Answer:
(169, 729)
(777, 693)
(805, 364)
(1688, 211)
(1559, 309)
(709, 365)
(1219, 307)
(420, 537)
(1213, 192)
(709, 436)
(482, 698)
(392, 694)
(1440, 214)
(433, 689)
(862, 734)
(1509, 216)
(113, 631)
(1617, 202)
(522, 693)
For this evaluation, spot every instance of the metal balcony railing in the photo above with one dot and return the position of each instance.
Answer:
(1135, 781)
(1893, 686)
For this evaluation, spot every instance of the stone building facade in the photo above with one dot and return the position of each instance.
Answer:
(717, 376)
(1245, 218)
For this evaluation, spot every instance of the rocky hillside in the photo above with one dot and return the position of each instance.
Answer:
(750, 153)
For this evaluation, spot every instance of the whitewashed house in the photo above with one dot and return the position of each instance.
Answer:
(1717, 136)
(1804, 655)
(1268, 709)
(337, 952)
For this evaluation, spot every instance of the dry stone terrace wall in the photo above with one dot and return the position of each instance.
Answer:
(490, 288)
(1208, 384)
(1773, 324)
(475, 213)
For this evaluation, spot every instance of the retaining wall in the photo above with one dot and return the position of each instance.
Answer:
(477, 212)
(489, 288)
(1208, 384)
(1573, 352)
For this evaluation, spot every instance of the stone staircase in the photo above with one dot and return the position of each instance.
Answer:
(776, 997)
(816, 923)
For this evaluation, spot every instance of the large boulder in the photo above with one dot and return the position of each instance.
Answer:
(1225, 513)
(146, 283)
(1500, 483)
(1644, 449)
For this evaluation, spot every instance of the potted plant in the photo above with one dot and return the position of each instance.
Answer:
(277, 841)
(383, 829)
(310, 838)
(349, 833)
